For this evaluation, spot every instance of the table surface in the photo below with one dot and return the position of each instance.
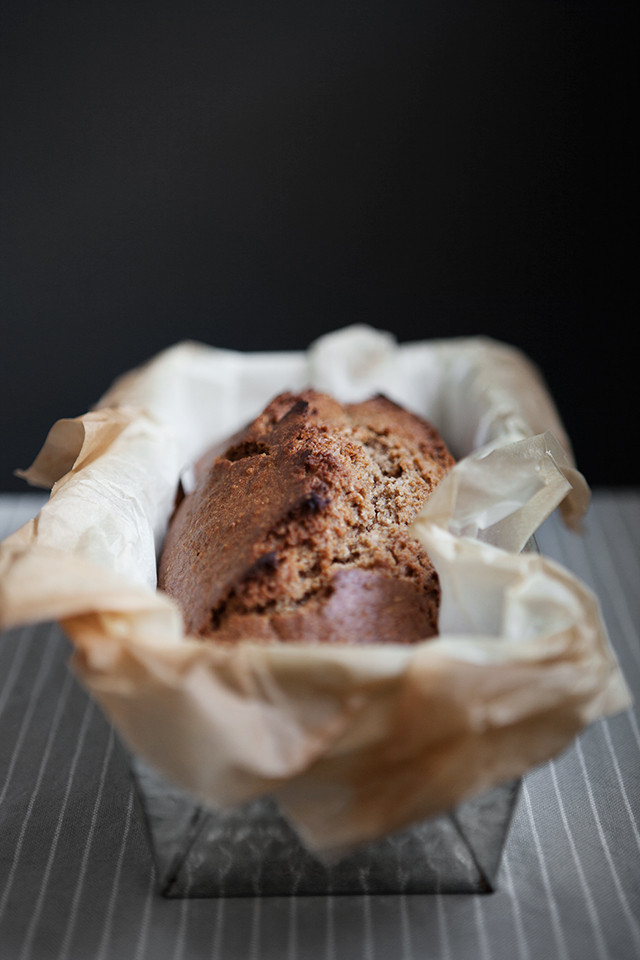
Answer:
(76, 875)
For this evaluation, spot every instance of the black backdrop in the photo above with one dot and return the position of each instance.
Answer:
(254, 174)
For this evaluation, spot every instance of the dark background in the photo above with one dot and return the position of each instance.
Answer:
(254, 174)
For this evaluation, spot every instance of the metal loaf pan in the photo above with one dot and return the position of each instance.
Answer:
(252, 851)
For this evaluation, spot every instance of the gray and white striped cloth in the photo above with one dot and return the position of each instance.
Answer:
(76, 876)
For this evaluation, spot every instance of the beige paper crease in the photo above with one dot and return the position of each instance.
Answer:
(353, 742)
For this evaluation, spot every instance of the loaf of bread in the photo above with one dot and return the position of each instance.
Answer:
(297, 529)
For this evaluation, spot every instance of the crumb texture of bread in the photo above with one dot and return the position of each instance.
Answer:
(298, 529)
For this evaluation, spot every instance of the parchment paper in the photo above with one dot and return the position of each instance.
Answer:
(353, 742)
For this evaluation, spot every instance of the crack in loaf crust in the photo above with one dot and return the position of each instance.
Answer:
(297, 529)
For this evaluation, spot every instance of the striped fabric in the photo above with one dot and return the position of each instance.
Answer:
(76, 878)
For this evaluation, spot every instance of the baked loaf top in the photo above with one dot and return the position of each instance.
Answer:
(297, 530)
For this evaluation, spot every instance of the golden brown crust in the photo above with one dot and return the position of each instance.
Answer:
(298, 530)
